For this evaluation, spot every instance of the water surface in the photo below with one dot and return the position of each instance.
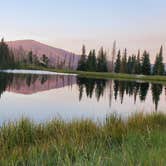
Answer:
(45, 97)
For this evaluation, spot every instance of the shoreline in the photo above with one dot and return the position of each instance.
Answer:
(102, 75)
(36, 72)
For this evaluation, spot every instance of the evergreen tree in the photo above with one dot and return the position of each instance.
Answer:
(94, 60)
(118, 63)
(138, 64)
(102, 61)
(91, 61)
(6, 61)
(82, 62)
(12, 63)
(133, 64)
(123, 67)
(30, 57)
(158, 68)
(156, 65)
(146, 66)
(129, 65)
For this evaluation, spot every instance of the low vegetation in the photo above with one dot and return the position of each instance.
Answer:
(103, 75)
(140, 140)
(122, 76)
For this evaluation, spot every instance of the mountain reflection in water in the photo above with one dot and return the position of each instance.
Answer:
(86, 87)
(29, 84)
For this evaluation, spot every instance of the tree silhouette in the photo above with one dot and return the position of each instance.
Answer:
(156, 92)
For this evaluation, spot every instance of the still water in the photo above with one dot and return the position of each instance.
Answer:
(45, 97)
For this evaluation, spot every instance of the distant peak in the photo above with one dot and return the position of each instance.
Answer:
(23, 40)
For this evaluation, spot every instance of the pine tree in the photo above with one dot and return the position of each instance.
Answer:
(102, 61)
(158, 68)
(133, 64)
(138, 64)
(161, 64)
(129, 65)
(30, 57)
(5, 59)
(118, 63)
(91, 61)
(123, 67)
(155, 67)
(82, 62)
(146, 66)
(12, 60)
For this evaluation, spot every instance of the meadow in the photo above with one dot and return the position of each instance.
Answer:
(139, 140)
(101, 75)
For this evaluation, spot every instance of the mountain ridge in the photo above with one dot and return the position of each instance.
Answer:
(34, 41)
(54, 54)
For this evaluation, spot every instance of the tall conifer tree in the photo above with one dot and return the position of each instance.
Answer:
(118, 63)
(146, 66)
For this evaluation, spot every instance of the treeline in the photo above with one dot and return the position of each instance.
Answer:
(6, 56)
(32, 59)
(93, 62)
(137, 64)
(16, 58)
(65, 62)
(11, 59)
(132, 64)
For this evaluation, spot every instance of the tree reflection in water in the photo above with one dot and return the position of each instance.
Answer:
(156, 92)
(91, 86)
(135, 89)
(29, 84)
(5, 81)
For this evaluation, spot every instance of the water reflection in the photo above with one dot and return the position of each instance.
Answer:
(134, 89)
(156, 92)
(5, 81)
(91, 86)
(100, 89)
(119, 90)
(29, 84)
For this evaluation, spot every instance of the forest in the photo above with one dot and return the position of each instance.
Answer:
(93, 62)
(130, 64)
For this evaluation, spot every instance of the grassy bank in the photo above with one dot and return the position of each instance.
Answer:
(139, 141)
(160, 79)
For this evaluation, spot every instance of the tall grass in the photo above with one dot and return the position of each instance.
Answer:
(138, 141)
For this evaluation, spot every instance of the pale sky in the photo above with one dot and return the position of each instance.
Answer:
(67, 24)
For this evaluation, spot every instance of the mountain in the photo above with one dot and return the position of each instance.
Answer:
(55, 55)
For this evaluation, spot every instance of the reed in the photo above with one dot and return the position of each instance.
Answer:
(139, 140)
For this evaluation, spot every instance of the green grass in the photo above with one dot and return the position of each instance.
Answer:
(138, 141)
(104, 75)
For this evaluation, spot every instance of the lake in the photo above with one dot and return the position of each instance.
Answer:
(42, 98)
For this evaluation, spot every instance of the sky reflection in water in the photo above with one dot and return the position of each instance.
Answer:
(45, 97)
